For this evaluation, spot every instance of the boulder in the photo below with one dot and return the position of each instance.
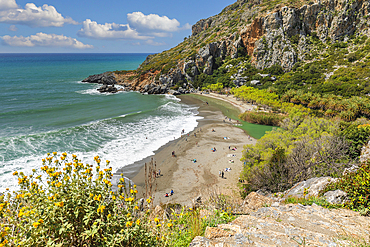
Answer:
(255, 82)
(254, 201)
(336, 197)
(107, 89)
(104, 78)
(310, 187)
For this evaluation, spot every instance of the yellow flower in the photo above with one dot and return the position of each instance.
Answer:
(41, 221)
(55, 153)
(128, 215)
(128, 223)
(113, 197)
(36, 224)
(131, 191)
(156, 220)
(109, 215)
(136, 207)
(169, 224)
(15, 173)
(59, 204)
(148, 200)
(100, 209)
(138, 222)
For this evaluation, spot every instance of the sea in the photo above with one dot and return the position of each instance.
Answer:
(44, 107)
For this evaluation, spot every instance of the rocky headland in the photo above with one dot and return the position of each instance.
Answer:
(281, 34)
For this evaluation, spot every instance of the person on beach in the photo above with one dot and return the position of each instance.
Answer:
(222, 174)
(173, 153)
(171, 192)
(166, 195)
(195, 135)
(214, 149)
(219, 173)
(159, 172)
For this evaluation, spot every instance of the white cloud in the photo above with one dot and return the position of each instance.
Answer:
(45, 40)
(151, 42)
(33, 16)
(8, 4)
(13, 28)
(153, 22)
(92, 29)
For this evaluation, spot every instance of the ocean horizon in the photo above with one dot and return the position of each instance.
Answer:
(45, 108)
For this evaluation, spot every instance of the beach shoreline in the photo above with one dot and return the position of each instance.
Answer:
(188, 179)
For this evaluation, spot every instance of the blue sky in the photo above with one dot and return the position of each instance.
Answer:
(108, 26)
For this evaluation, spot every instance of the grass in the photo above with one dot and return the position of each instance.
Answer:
(320, 201)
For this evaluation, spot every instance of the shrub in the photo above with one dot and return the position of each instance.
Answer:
(65, 204)
(300, 149)
(356, 185)
(357, 135)
(264, 118)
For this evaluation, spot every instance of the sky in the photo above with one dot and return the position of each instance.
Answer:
(100, 26)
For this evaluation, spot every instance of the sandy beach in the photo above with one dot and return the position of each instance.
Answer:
(194, 170)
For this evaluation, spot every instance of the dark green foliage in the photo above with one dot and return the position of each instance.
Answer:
(242, 52)
(218, 62)
(356, 135)
(352, 57)
(202, 80)
(295, 39)
(264, 118)
(356, 185)
(275, 69)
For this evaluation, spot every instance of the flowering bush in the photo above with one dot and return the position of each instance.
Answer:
(356, 185)
(68, 203)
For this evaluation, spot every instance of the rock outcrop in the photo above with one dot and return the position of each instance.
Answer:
(107, 78)
(289, 225)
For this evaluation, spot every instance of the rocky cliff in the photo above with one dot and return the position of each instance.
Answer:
(283, 34)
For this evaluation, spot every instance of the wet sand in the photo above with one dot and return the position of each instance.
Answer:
(190, 179)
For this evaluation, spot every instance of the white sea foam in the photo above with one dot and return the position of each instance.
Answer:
(94, 90)
(121, 143)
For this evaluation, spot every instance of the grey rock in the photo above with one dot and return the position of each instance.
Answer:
(336, 197)
(104, 78)
(255, 82)
(312, 187)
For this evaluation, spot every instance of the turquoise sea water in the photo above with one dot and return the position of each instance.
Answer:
(44, 107)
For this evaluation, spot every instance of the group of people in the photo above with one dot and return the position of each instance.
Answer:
(168, 194)
(234, 148)
(213, 149)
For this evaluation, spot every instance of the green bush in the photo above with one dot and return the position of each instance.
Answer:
(357, 135)
(302, 148)
(356, 185)
(264, 118)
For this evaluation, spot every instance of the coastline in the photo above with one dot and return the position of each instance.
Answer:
(180, 173)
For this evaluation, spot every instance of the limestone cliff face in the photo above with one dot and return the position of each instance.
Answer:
(287, 31)
(283, 35)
